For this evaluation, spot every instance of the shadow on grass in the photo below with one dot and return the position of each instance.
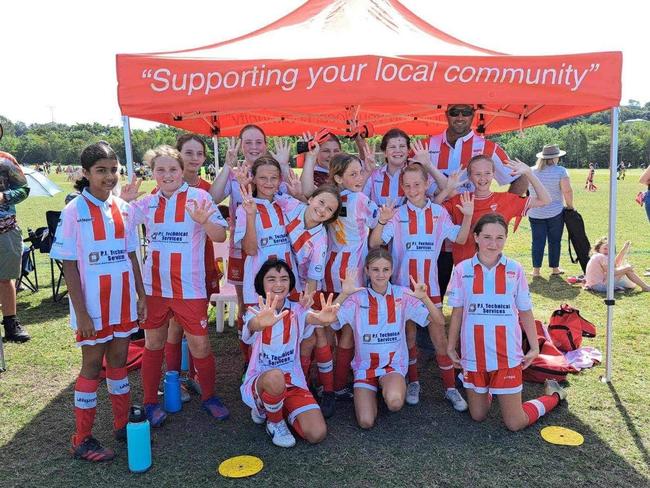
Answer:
(555, 288)
(634, 433)
(425, 445)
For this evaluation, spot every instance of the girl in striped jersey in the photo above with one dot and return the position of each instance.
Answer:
(417, 231)
(308, 236)
(315, 171)
(178, 219)
(377, 317)
(384, 183)
(274, 385)
(96, 240)
(253, 144)
(260, 223)
(491, 304)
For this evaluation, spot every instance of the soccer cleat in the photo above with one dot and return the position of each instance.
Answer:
(192, 385)
(257, 417)
(280, 434)
(552, 386)
(14, 332)
(328, 403)
(215, 408)
(413, 393)
(155, 414)
(120, 434)
(91, 450)
(456, 400)
(344, 393)
(185, 395)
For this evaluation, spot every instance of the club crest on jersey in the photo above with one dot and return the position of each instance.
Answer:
(264, 241)
(511, 275)
(93, 257)
(494, 207)
(472, 308)
(408, 245)
(367, 338)
(204, 323)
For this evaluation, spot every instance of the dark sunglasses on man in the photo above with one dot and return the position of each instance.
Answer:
(465, 112)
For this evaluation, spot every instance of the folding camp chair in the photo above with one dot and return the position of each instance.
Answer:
(28, 266)
(56, 266)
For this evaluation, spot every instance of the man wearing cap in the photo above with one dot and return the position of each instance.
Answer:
(13, 190)
(547, 222)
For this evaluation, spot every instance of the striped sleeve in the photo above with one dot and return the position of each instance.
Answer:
(456, 292)
(64, 246)
(522, 293)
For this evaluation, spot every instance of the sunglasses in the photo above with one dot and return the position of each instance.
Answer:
(465, 112)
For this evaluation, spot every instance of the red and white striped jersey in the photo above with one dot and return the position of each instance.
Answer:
(348, 238)
(490, 335)
(98, 235)
(233, 191)
(272, 241)
(509, 205)
(379, 326)
(278, 346)
(382, 187)
(418, 235)
(309, 246)
(175, 263)
(450, 159)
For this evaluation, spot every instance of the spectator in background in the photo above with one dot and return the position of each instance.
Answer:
(547, 222)
(13, 190)
(625, 278)
(645, 180)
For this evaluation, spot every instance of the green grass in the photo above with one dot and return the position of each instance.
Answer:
(426, 445)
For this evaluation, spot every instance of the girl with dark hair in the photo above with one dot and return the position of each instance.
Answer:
(178, 219)
(96, 239)
(491, 305)
(274, 385)
(416, 232)
(376, 316)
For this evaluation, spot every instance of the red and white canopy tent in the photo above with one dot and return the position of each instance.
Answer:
(329, 58)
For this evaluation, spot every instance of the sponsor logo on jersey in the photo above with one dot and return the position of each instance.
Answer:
(367, 337)
(93, 257)
(472, 308)
(204, 323)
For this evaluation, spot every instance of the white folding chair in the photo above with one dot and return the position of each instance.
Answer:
(227, 294)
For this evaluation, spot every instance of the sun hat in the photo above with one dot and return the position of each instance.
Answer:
(551, 151)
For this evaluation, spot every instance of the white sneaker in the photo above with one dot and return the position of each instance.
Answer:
(456, 400)
(280, 434)
(258, 418)
(413, 393)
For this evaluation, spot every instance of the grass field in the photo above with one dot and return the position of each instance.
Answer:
(425, 445)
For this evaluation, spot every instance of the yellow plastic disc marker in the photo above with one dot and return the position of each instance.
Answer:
(562, 436)
(240, 467)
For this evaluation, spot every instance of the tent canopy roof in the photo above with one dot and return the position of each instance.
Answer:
(375, 58)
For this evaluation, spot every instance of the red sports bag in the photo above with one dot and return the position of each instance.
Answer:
(550, 364)
(567, 328)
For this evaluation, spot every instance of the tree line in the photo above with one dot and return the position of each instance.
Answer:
(585, 139)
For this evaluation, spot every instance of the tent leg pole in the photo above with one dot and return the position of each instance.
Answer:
(128, 150)
(215, 143)
(611, 239)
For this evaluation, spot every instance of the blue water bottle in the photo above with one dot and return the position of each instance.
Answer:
(184, 356)
(138, 439)
(172, 392)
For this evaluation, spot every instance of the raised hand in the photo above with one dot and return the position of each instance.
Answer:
(329, 310)
(250, 207)
(232, 151)
(315, 149)
(517, 167)
(466, 206)
(131, 191)
(419, 289)
(266, 315)
(421, 153)
(242, 173)
(294, 186)
(369, 163)
(349, 283)
(282, 151)
(387, 211)
(200, 212)
(305, 299)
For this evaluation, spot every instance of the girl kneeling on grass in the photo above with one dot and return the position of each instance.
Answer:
(490, 297)
(96, 240)
(377, 316)
(178, 219)
(274, 385)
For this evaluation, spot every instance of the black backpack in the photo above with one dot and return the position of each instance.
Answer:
(577, 237)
